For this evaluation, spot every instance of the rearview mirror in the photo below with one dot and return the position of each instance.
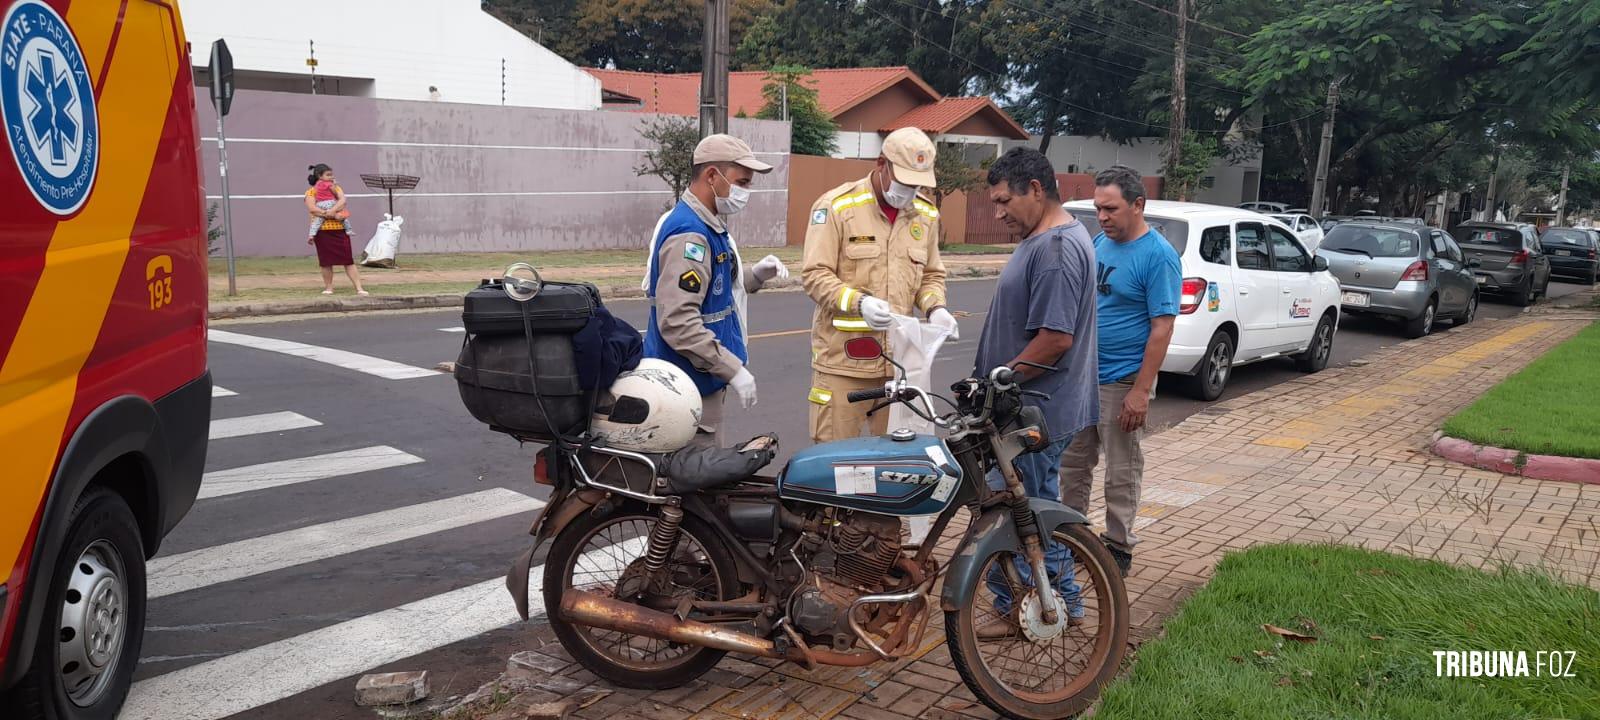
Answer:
(863, 348)
(1318, 263)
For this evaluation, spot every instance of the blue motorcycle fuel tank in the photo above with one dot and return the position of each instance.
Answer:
(916, 476)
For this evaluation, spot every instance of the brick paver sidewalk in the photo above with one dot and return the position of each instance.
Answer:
(1340, 456)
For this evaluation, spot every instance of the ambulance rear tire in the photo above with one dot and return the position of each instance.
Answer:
(88, 647)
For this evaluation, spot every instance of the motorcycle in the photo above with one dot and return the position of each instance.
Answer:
(650, 579)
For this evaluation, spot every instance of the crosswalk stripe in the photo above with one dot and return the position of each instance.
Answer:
(259, 424)
(386, 369)
(219, 391)
(457, 329)
(299, 470)
(235, 560)
(261, 675)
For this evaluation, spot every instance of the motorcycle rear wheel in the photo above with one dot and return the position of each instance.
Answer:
(1026, 679)
(591, 555)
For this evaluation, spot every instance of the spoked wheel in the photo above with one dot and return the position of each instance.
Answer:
(601, 556)
(1025, 668)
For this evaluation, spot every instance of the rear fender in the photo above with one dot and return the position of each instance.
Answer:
(552, 519)
(995, 532)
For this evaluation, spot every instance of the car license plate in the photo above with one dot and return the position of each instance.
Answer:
(1482, 279)
(1564, 253)
(1356, 299)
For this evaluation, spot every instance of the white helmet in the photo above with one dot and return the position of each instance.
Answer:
(654, 408)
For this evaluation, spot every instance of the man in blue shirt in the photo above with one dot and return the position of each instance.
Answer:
(1042, 312)
(1138, 284)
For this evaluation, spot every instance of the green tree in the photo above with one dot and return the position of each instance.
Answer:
(646, 35)
(1193, 163)
(761, 46)
(954, 174)
(672, 157)
(811, 130)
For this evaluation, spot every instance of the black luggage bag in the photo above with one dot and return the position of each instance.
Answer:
(517, 371)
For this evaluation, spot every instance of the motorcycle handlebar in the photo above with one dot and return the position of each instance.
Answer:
(868, 394)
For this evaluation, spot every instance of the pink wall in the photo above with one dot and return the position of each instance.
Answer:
(493, 178)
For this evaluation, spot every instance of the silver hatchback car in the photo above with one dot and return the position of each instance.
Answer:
(1411, 273)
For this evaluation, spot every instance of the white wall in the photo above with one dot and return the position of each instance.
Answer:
(1089, 154)
(858, 145)
(403, 46)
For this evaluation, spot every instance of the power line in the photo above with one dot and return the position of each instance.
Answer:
(1088, 28)
(1220, 53)
(1193, 20)
(1094, 58)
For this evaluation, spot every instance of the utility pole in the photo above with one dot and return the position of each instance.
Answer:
(1561, 205)
(783, 90)
(311, 62)
(1490, 201)
(1180, 51)
(714, 70)
(1319, 187)
(502, 81)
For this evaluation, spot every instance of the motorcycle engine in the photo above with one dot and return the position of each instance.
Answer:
(851, 560)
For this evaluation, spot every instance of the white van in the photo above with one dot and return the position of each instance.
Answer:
(1251, 292)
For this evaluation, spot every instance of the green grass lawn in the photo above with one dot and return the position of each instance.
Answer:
(977, 249)
(1551, 407)
(1377, 619)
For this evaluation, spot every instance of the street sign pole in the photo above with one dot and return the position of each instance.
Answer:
(222, 100)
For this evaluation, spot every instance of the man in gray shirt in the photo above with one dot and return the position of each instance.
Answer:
(1043, 312)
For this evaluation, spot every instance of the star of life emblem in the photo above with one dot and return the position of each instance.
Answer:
(48, 108)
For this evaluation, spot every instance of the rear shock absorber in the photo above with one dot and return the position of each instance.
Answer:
(663, 539)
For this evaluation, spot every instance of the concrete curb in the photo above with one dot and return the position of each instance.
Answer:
(339, 304)
(1537, 467)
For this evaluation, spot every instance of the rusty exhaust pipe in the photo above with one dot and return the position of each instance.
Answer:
(584, 608)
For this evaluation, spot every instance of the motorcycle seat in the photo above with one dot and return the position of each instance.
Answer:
(696, 468)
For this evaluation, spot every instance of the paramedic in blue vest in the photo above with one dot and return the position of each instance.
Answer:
(696, 280)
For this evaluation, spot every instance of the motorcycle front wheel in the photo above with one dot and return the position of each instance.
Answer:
(595, 555)
(1025, 669)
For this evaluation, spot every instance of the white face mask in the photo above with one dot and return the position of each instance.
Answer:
(898, 195)
(736, 200)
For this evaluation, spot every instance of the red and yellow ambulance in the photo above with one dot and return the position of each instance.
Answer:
(104, 393)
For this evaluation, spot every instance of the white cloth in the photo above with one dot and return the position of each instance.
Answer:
(914, 343)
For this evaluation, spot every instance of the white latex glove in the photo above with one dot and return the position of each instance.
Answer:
(943, 318)
(770, 267)
(876, 313)
(744, 385)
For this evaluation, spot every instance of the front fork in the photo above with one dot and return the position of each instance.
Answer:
(1006, 451)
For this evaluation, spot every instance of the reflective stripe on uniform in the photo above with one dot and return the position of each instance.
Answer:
(851, 324)
(848, 201)
(925, 209)
(819, 396)
(715, 316)
(847, 296)
(931, 299)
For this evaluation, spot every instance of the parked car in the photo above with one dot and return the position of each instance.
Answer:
(1251, 291)
(1264, 207)
(1573, 252)
(1411, 273)
(1511, 261)
(1304, 227)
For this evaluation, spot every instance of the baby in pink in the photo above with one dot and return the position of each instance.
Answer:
(325, 199)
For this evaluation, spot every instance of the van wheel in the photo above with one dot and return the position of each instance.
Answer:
(94, 618)
(1211, 378)
(1315, 358)
(1422, 324)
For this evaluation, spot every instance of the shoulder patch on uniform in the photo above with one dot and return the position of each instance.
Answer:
(690, 281)
(695, 252)
(819, 216)
(916, 231)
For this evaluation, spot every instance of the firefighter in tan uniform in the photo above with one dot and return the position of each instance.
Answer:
(872, 248)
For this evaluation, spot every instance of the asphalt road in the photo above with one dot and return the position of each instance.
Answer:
(370, 531)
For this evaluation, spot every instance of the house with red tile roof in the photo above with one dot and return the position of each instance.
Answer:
(866, 103)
